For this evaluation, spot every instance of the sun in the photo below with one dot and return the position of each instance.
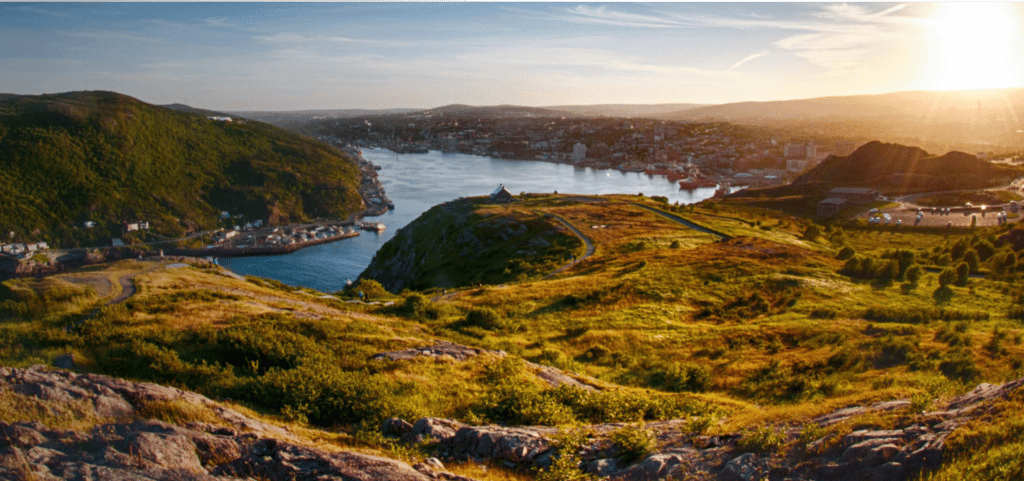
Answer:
(975, 44)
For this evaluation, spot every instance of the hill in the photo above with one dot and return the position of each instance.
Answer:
(501, 244)
(901, 169)
(980, 120)
(625, 110)
(108, 158)
(731, 339)
(496, 111)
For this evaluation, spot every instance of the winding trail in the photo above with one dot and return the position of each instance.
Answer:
(586, 240)
(127, 290)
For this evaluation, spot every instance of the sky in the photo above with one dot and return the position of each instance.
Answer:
(300, 56)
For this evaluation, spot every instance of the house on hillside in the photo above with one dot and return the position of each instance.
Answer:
(839, 198)
(501, 194)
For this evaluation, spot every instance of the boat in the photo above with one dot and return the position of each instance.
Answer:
(691, 183)
(372, 226)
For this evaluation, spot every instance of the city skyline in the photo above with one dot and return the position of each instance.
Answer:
(286, 56)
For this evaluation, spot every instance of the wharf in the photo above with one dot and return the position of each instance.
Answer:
(259, 251)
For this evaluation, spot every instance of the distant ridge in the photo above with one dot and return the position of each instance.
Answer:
(496, 111)
(912, 103)
(626, 110)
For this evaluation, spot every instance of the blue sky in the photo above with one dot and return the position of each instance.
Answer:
(288, 56)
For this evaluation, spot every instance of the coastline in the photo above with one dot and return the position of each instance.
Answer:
(259, 251)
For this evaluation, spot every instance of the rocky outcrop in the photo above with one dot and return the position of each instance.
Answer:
(901, 453)
(121, 445)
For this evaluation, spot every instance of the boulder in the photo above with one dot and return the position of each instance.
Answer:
(741, 468)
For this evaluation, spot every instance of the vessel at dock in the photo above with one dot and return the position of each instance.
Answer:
(372, 226)
(691, 183)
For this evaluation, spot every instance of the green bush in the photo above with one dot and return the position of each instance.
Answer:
(683, 377)
(634, 441)
(846, 253)
(484, 318)
(959, 366)
(763, 439)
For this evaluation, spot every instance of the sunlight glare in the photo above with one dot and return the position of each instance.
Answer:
(973, 46)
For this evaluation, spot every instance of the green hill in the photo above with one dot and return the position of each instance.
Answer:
(106, 157)
(469, 241)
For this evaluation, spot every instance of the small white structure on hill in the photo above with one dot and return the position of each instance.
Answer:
(501, 194)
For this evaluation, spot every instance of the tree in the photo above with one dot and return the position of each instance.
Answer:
(972, 260)
(962, 272)
(913, 274)
(846, 253)
(812, 232)
(947, 277)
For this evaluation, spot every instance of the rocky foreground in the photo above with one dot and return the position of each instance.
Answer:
(124, 444)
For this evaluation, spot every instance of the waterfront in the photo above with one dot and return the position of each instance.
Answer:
(416, 182)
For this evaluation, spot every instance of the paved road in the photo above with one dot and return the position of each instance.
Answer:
(687, 223)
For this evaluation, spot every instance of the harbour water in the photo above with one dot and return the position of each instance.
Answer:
(417, 182)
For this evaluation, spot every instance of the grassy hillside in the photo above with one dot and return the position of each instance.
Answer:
(781, 322)
(106, 157)
(472, 241)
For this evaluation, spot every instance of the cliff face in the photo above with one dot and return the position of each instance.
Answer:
(466, 242)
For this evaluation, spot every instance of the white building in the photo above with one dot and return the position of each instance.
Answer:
(579, 152)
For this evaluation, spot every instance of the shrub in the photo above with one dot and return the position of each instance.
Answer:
(484, 318)
(812, 232)
(683, 377)
(846, 253)
(566, 466)
(634, 441)
(763, 439)
(959, 366)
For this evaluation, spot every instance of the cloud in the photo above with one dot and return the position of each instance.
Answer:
(602, 15)
(108, 35)
(748, 58)
(39, 11)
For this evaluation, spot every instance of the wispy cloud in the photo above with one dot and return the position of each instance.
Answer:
(748, 58)
(108, 35)
(39, 11)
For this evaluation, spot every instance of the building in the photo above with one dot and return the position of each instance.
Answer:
(854, 195)
(501, 194)
(800, 151)
(831, 206)
(796, 165)
(579, 152)
(841, 197)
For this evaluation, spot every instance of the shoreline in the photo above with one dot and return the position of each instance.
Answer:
(259, 251)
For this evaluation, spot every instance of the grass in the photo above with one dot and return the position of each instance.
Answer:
(758, 330)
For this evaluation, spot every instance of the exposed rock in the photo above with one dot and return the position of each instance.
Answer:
(146, 449)
(272, 459)
(741, 468)
(655, 466)
(604, 467)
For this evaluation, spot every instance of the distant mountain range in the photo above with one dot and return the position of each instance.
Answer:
(109, 158)
(626, 110)
(973, 121)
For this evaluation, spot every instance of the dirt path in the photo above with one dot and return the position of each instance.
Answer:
(586, 240)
